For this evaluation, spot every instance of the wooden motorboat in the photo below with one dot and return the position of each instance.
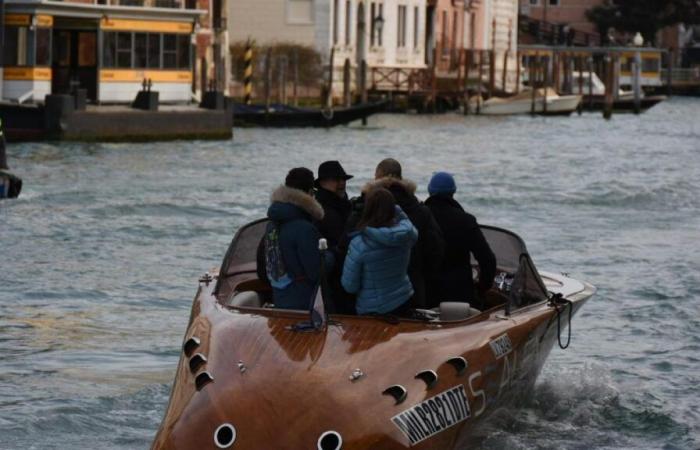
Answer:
(546, 102)
(251, 377)
(285, 116)
(10, 185)
(594, 95)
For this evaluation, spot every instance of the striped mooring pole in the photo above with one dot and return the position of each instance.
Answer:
(248, 74)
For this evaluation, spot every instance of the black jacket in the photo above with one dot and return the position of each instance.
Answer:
(426, 255)
(336, 212)
(462, 237)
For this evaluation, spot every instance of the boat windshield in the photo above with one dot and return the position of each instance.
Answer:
(520, 278)
(514, 263)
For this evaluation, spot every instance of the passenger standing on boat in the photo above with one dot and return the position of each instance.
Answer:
(291, 254)
(377, 261)
(426, 255)
(462, 236)
(331, 194)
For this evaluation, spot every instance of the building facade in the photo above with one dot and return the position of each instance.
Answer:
(384, 33)
(562, 12)
(106, 47)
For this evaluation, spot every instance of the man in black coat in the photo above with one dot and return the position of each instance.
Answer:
(426, 255)
(330, 193)
(462, 237)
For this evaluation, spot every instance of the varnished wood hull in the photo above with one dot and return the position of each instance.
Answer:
(282, 389)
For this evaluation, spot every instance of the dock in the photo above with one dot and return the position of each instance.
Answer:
(114, 123)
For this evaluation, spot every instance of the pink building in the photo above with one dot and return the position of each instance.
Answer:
(565, 12)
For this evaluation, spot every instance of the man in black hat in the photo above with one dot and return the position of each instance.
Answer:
(331, 194)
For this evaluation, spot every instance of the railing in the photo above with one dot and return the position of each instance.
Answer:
(173, 4)
(683, 76)
(400, 79)
(556, 34)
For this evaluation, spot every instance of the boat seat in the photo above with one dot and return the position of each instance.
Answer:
(456, 311)
(246, 299)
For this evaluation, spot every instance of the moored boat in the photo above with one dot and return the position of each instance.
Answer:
(545, 102)
(252, 377)
(594, 95)
(285, 116)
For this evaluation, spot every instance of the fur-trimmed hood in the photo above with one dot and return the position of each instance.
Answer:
(300, 199)
(387, 182)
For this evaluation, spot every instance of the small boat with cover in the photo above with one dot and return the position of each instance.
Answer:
(252, 377)
(285, 116)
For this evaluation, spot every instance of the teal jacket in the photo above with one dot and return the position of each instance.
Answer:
(376, 266)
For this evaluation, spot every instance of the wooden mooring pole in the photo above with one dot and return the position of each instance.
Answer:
(534, 69)
(467, 64)
(518, 56)
(504, 77)
(589, 61)
(609, 85)
(248, 73)
(637, 82)
(579, 63)
(268, 78)
(295, 92)
(346, 83)
(545, 84)
(479, 84)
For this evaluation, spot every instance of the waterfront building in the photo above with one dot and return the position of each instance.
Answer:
(384, 33)
(109, 47)
(561, 12)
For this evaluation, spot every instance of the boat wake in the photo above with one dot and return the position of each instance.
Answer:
(582, 409)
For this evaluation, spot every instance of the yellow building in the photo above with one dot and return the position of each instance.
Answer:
(107, 47)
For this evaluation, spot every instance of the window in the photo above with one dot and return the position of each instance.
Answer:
(87, 49)
(554, 2)
(140, 53)
(43, 46)
(300, 11)
(124, 51)
(109, 49)
(169, 51)
(153, 60)
(348, 21)
(401, 40)
(453, 44)
(443, 44)
(372, 28)
(16, 49)
(534, 2)
(380, 33)
(183, 51)
(335, 21)
(416, 16)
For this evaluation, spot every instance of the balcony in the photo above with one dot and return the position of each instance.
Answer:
(172, 4)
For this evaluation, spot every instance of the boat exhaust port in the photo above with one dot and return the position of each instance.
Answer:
(197, 361)
(191, 345)
(397, 391)
(330, 440)
(202, 380)
(429, 377)
(459, 363)
(225, 435)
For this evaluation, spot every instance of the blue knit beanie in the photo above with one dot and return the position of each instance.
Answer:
(442, 183)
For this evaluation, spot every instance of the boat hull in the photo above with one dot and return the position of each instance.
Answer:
(282, 389)
(288, 117)
(560, 105)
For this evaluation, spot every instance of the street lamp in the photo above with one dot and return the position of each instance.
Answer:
(379, 25)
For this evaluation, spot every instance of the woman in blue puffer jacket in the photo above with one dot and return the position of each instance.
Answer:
(377, 260)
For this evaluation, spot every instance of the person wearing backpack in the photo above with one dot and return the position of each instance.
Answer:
(376, 266)
(290, 244)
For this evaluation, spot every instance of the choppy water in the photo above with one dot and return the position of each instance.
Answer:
(100, 255)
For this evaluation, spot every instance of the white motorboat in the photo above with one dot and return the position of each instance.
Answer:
(546, 101)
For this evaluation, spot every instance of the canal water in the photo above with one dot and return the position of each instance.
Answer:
(100, 255)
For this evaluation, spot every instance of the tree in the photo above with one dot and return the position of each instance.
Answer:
(644, 16)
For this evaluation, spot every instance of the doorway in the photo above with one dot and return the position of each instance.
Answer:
(430, 35)
(74, 64)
